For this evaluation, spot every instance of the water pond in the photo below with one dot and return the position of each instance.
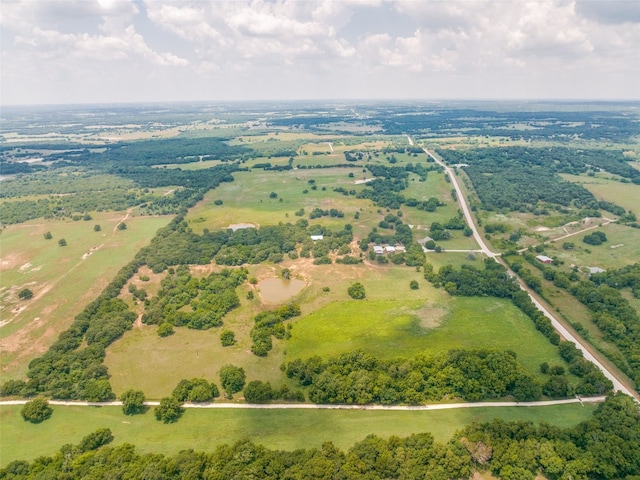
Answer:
(277, 290)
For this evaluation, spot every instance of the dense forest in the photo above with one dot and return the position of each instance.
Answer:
(603, 447)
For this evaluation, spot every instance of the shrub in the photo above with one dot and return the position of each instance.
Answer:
(227, 338)
(133, 402)
(356, 291)
(169, 410)
(25, 294)
(36, 411)
(165, 329)
(414, 285)
(95, 440)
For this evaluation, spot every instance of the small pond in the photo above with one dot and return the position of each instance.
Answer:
(276, 290)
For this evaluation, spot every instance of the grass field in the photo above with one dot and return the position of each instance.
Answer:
(621, 248)
(143, 360)
(63, 279)
(626, 195)
(203, 430)
(393, 329)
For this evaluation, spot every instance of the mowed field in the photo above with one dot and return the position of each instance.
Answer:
(204, 429)
(63, 279)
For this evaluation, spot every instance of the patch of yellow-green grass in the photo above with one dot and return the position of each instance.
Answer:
(405, 329)
(455, 259)
(626, 195)
(62, 279)
(205, 429)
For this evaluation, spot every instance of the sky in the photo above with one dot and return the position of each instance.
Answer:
(121, 51)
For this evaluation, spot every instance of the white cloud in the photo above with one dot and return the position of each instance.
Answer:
(294, 49)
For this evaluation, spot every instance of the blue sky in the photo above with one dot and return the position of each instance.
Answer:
(105, 51)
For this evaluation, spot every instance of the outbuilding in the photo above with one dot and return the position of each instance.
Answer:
(378, 250)
(544, 259)
(315, 238)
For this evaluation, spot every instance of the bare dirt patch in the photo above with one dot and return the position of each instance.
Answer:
(430, 316)
(10, 261)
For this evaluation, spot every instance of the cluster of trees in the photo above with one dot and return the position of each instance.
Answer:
(360, 378)
(258, 391)
(268, 324)
(384, 190)
(595, 238)
(518, 178)
(195, 303)
(603, 447)
(318, 213)
(333, 241)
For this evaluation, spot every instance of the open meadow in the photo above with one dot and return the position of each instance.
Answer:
(63, 279)
(205, 429)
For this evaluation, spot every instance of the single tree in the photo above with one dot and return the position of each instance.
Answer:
(232, 378)
(356, 291)
(97, 228)
(48, 236)
(62, 242)
(227, 338)
(169, 410)
(133, 402)
(413, 284)
(122, 226)
(25, 294)
(165, 329)
(36, 411)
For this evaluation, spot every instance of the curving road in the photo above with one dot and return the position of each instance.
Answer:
(618, 385)
(312, 406)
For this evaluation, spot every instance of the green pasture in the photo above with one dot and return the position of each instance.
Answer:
(205, 429)
(246, 200)
(143, 360)
(400, 329)
(63, 279)
(626, 195)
